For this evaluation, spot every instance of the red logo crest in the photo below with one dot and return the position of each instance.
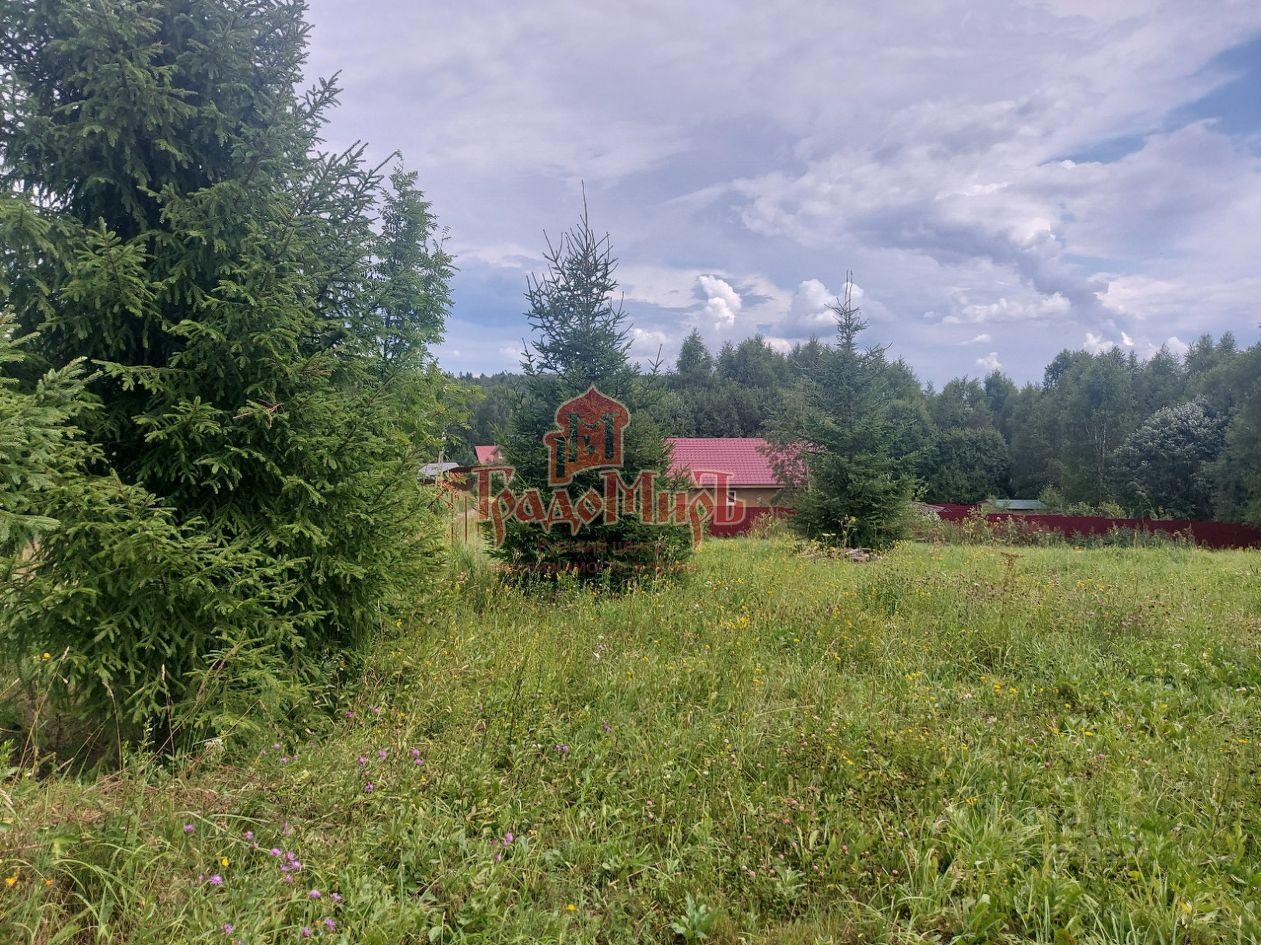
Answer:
(588, 435)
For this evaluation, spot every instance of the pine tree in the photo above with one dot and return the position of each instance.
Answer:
(258, 343)
(834, 444)
(580, 333)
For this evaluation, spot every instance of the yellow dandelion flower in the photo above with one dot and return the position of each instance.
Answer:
(46, 656)
(571, 907)
(223, 861)
(10, 881)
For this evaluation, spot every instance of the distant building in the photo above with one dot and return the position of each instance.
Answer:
(747, 459)
(1028, 506)
(430, 472)
(488, 455)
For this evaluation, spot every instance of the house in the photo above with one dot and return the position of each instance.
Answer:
(488, 455)
(754, 482)
(754, 485)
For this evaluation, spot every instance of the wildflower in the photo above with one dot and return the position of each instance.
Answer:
(330, 925)
(215, 880)
(249, 835)
(415, 752)
(313, 894)
(11, 881)
(382, 753)
(335, 897)
(571, 907)
(306, 931)
(508, 838)
(369, 788)
(224, 861)
(189, 828)
(274, 851)
(376, 710)
(228, 928)
(46, 656)
(361, 761)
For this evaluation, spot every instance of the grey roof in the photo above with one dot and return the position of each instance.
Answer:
(434, 470)
(1020, 505)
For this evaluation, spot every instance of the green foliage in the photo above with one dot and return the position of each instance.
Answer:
(965, 464)
(580, 340)
(1162, 467)
(256, 314)
(834, 445)
(942, 744)
(1237, 473)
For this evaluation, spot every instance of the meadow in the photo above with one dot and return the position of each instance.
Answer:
(946, 744)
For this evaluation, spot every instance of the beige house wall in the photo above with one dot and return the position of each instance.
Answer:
(760, 497)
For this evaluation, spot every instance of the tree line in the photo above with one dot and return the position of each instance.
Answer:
(1170, 436)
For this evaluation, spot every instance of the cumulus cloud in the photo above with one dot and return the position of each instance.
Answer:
(1047, 172)
(1097, 344)
(1010, 310)
(989, 362)
(647, 341)
(810, 309)
(1143, 347)
(722, 302)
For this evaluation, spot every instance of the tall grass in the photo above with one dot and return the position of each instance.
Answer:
(958, 743)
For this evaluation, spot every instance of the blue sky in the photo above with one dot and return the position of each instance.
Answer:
(1003, 179)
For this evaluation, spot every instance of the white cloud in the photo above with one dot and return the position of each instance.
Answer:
(722, 302)
(981, 339)
(990, 362)
(645, 341)
(1010, 310)
(1097, 344)
(810, 309)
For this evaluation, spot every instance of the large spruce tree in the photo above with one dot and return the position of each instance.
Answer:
(255, 314)
(580, 339)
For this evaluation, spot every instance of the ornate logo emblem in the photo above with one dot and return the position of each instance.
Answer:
(588, 435)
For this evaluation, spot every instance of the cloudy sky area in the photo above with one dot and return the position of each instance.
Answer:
(1004, 180)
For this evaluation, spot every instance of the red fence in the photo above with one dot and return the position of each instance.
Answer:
(1208, 534)
(751, 515)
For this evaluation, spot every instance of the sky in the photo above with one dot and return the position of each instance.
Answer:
(1004, 180)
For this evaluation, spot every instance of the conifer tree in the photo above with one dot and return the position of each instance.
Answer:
(833, 442)
(580, 339)
(255, 313)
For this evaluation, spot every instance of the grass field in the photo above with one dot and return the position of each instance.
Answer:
(947, 744)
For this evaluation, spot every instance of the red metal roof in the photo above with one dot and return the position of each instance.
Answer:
(488, 454)
(742, 456)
